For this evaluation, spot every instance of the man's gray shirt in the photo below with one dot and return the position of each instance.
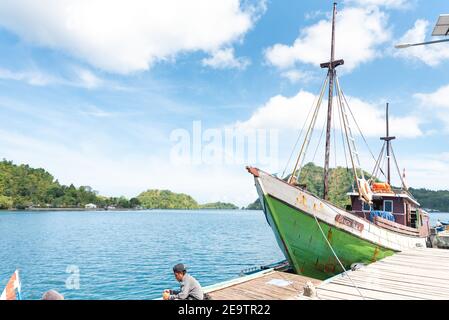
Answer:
(190, 289)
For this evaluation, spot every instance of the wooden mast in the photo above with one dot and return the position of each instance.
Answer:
(331, 73)
(387, 138)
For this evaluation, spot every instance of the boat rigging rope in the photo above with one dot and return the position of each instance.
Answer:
(334, 136)
(377, 165)
(350, 111)
(358, 127)
(399, 171)
(345, 126)
(333, 251)
(299, 136)
(383, 163)
(319, 142)
(309, 133)
(302, 129)
(343, 140)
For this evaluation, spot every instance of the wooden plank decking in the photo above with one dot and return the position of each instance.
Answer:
(268, 285)
(418, 274)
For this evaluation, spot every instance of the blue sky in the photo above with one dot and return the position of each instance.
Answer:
(93, 91)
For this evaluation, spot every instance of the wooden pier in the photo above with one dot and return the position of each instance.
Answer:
(418, 274)
(265, 285)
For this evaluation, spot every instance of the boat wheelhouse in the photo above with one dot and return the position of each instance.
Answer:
(401, 206)
(397, 207)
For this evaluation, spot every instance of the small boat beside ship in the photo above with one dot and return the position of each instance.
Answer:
(439, 235)
(441, 239)
(320, 239)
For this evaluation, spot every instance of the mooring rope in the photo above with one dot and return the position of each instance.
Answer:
(332, 249)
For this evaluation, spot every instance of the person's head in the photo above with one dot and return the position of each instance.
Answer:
(179, 270)
(52, 295)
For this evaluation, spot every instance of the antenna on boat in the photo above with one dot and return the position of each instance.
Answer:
(389, 154)
(387, 139)
(331, 65)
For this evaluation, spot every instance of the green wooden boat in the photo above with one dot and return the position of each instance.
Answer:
(320, 239)
(303, 224)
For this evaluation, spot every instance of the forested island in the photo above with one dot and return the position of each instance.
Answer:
(165, 199)
(435, 200)
(23, 187)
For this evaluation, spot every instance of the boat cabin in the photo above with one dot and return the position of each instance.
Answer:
(394, 205)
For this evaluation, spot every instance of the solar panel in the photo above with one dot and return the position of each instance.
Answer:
(442, 26)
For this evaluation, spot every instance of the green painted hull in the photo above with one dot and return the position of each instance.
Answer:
(303, 244)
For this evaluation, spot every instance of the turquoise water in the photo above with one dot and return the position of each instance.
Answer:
(129, 255)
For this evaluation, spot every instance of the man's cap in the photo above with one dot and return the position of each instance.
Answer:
(52, 295)
(179, 268)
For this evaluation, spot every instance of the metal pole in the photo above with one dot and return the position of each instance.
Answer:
(329, 108)
(388, 149)
(388, 139)
(406, 45)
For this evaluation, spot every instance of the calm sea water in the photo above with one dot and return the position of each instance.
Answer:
(129, 255)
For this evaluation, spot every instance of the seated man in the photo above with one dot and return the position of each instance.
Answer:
(190, 287)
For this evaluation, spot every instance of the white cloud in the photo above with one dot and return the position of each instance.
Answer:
(87, 79)
(438, 102)
(359, 33)
(35, 78)
(280, 112)
(378, 3)
(431, 55)
(290, 113)
(94, 111)
(422, 169)
(125, 36)
(80, 78)
(225, 59)
(427, 170)
(438, 99)
(295, 75)
(314, 14)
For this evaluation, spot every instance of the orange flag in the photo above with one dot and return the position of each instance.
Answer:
(13, 288)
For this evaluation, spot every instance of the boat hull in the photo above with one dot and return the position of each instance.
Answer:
(307, 250)
(294, 216)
